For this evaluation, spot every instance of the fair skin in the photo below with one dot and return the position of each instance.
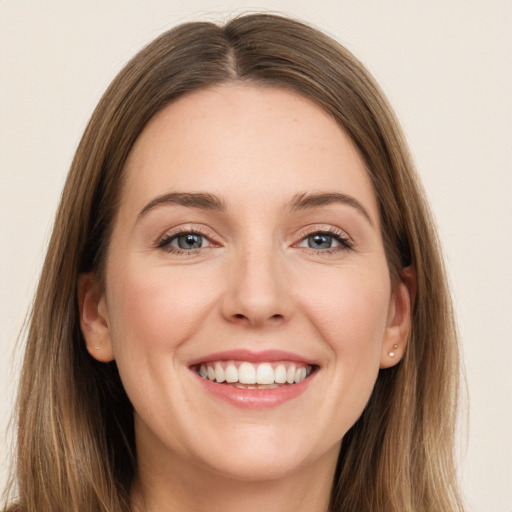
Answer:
(247, 225)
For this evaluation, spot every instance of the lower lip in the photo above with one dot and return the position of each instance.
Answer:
(256, 398)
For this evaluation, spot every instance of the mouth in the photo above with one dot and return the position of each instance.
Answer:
(250, 375)
(254, 380)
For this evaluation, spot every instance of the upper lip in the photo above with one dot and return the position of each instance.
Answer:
(253, 357)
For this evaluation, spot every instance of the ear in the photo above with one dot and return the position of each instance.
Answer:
(399, 318)
(94, 318)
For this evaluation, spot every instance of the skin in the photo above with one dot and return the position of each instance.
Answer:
(256, 284)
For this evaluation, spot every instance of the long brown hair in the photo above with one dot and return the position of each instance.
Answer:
(75, 438)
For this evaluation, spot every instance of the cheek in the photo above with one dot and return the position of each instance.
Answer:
(351, 317)
(157, 309)
(154, 313)
(350, 310)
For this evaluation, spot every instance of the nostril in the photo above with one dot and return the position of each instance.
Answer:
(241, 316)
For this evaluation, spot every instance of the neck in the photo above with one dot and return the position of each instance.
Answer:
(185, 487)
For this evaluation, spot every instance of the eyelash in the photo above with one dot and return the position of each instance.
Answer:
(338, 235)
(345, 243)
(165, 242)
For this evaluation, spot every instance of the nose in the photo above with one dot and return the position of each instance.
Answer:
(257, 293)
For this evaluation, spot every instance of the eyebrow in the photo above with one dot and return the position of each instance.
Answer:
(206, 201)
(201, 200)
(307, 200)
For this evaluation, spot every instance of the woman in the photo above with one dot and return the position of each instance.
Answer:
(243, 305)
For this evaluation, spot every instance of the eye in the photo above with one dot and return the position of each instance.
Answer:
(184, 242)
(325, 241)
(320, 241)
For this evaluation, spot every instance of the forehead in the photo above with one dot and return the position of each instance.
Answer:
(245, 140)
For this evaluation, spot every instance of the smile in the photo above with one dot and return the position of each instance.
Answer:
(247, 375)
(254, 380)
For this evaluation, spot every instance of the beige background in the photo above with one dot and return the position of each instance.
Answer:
(447, 69)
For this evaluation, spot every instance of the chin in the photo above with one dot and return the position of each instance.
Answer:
(265, 456)
(257, 468)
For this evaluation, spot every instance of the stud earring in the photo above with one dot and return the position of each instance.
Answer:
(393, 353)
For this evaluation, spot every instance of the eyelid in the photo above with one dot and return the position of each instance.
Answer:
(168, 241)
(327, 230)
(170, 234)
(162, 242)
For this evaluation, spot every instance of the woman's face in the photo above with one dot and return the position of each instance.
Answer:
(246, 250)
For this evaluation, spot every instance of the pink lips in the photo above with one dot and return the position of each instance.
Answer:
(253, 398)
(252, 357)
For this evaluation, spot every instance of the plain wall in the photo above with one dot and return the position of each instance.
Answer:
(446, 67)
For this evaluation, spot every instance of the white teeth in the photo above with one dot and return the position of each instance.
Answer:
(231, 373)
(280, 374)
(246, 374)
(290, 374)
(300, 374)
(220, 376)
(265, 374)
(249, 374)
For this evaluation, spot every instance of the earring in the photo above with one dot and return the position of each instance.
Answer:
(393, 353)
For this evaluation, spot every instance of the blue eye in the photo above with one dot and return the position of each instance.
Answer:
(320, 241)
(325, 242)
(184, 242)
(189, 241)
